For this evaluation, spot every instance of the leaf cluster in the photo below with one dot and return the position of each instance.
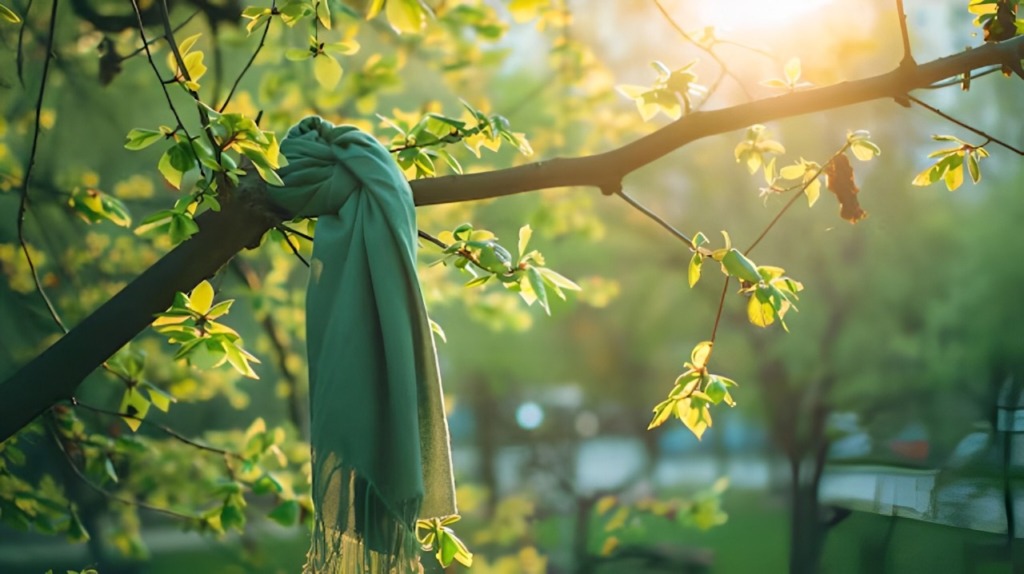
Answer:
(478, 252)
(191, 322)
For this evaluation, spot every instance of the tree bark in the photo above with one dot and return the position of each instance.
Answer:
(54, 375)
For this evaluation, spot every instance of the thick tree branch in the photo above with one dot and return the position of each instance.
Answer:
(607, 169)
(56, 373)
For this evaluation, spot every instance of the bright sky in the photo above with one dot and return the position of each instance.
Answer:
(740, 15)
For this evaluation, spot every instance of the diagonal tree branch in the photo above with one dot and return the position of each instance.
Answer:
(56, 373)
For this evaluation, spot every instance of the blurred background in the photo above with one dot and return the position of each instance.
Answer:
(880, 434)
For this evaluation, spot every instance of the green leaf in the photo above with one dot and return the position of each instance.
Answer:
(9, 15)
(267, 484)
(286, 513)
(450, 548)
(699, 239)
(182, 226)
(108, 467)
(76, 530)
(220, 309)
(94, 206)
(298, 54)
(558, 280)
(232, 516)
(175, 162)
(537, 283)
(737, 265)
(139, 139)
(239, 360)
(973, 168)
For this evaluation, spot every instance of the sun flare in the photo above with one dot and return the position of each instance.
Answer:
(739, 15)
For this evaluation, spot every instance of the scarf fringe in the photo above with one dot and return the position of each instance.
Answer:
(371, 538)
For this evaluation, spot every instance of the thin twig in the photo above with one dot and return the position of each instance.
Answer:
(706, 49)
(464, 253)
(432, 239)
(204, 117)
(163, 84)
(163, 428)
(285, 229)
(263, 38)
(959, 81)
(21, 45)
(964, 125)
(794, 198)
(721, 305)
(908, 57)
(657, 219)
(295, 250)
(23, 203)
(99, 489)
(177, 28)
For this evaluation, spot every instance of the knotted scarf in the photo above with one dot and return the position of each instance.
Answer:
(379, 438)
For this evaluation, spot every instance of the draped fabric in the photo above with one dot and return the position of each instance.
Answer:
(379, 438)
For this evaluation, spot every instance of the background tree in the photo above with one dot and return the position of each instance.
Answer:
(67, 253)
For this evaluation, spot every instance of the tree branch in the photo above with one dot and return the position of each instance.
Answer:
(607, 169)
(56, 373)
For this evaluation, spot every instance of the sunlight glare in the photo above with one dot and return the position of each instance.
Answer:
(739, 15)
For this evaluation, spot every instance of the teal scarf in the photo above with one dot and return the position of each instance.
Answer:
(378, 432)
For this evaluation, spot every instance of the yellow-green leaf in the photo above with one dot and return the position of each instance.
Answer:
(201, 297)
(954, 177)
(795, 171)
(327, 70)
(693, 271)
(134, 405)
(406, 16)
(700, 354)
(864, 150)
(9, 15)
(525, 232)
(812, 191)
(374, 9)
(323, 13)
(760, 313)
(185, 45)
